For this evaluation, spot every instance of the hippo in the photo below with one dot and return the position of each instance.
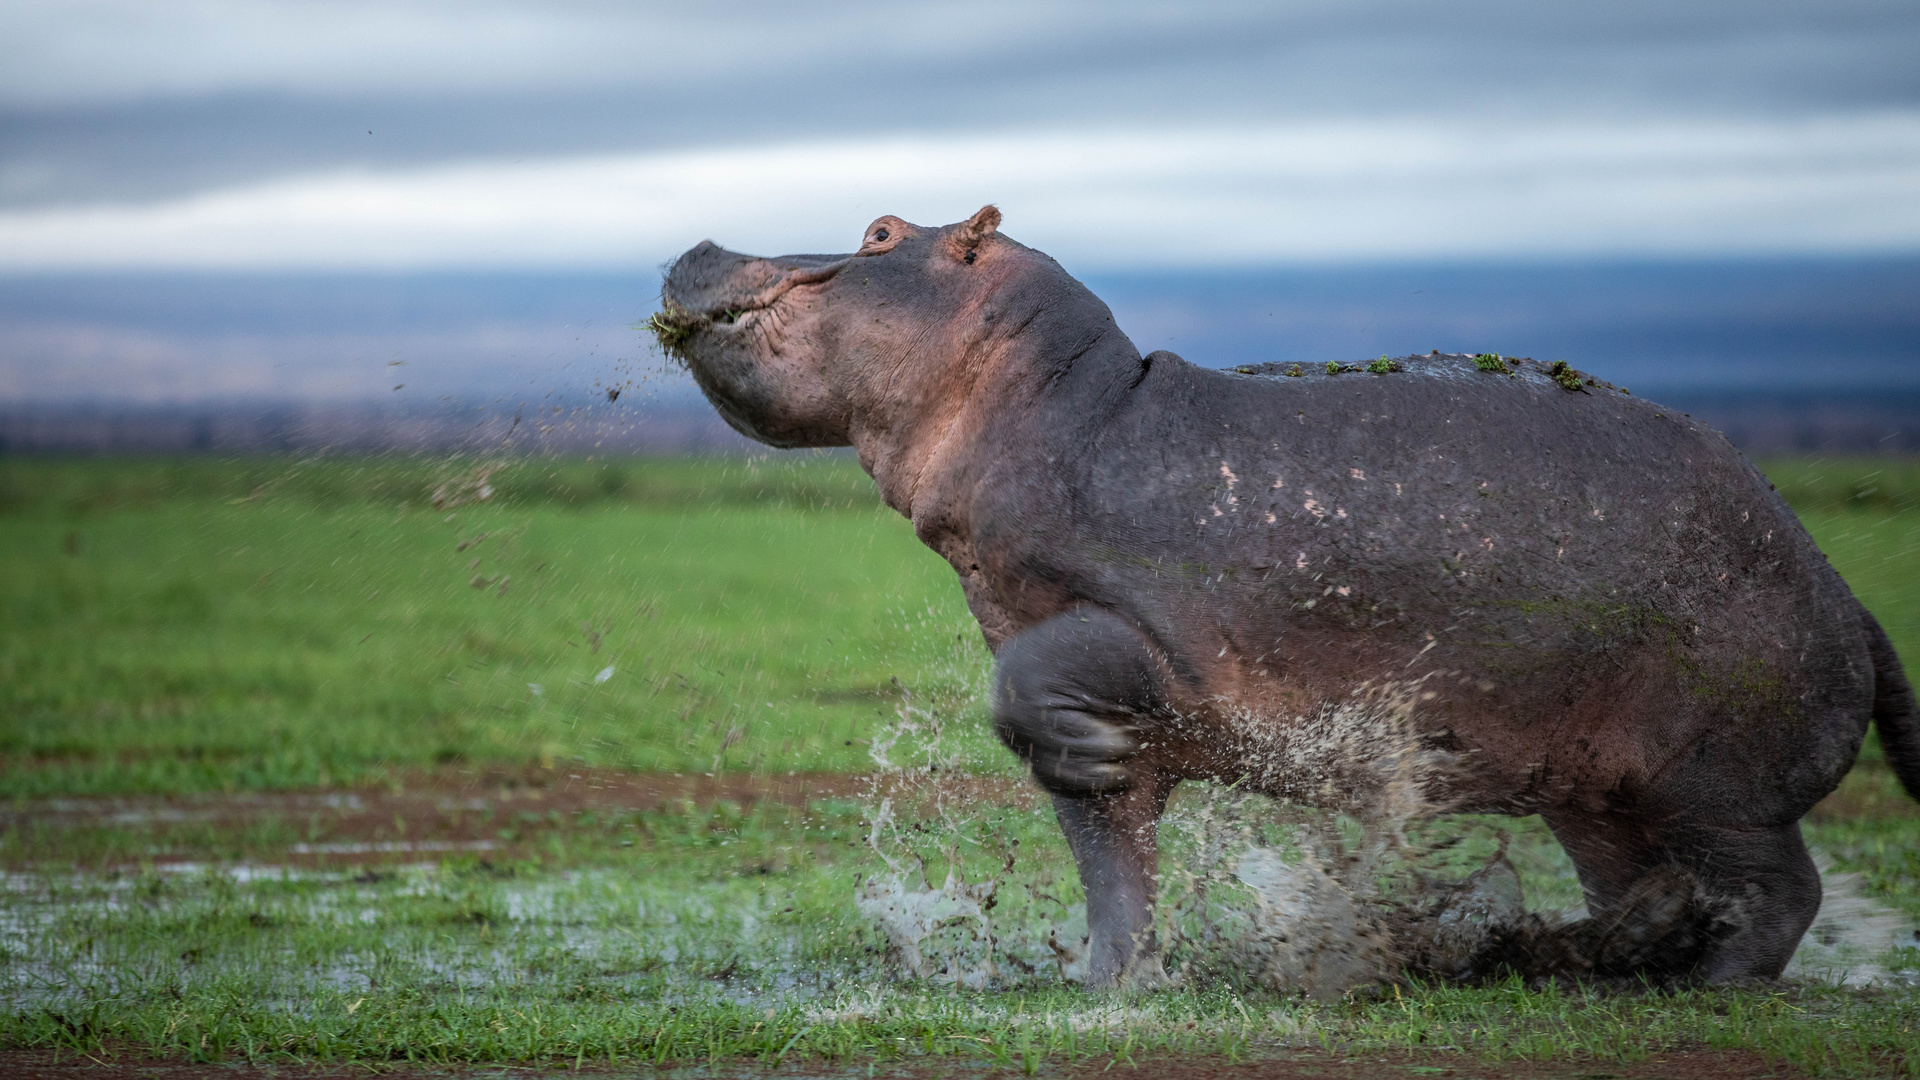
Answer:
(1600, 612)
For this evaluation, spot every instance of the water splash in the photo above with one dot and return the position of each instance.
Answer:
(1363, 756)
(1318, 937)
(1355, 880)
(945, 931)
(910, 917)
(1294, 894)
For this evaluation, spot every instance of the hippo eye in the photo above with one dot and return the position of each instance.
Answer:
(879, 235)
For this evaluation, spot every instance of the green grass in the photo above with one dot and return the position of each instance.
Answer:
(200, 625)
(203, 625)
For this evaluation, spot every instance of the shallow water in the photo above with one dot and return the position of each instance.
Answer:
(947, 879)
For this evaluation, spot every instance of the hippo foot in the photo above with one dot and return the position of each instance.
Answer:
(1144, 973)
(1664, 932)
(1737, 898)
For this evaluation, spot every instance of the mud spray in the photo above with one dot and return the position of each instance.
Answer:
(944, 931)
(1356, 881)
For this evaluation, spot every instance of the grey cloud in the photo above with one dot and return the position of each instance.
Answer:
(184, 109)
(111, 50)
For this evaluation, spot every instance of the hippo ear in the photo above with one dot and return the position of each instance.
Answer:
(980, 226)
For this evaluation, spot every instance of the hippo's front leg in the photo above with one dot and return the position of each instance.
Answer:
(1112, 837)
(1070, 695)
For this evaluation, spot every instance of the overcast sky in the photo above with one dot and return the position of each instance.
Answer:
(394, 134)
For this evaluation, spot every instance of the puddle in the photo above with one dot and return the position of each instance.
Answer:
(952, 879)
(1856, 940)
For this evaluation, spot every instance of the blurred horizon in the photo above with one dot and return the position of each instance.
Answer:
(1783, 355)
(271, 204)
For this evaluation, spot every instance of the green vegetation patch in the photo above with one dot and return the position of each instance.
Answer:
(1569, 379)
(197, 624)
(200, 625)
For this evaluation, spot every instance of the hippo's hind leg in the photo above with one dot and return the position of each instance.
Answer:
(1069, 697)
(1761, 887)
(1767, 872)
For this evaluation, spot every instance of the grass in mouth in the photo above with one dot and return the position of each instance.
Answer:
(672, 326)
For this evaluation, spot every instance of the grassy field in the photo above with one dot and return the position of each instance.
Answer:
(195, 625)
(179, 637)
(187, 625)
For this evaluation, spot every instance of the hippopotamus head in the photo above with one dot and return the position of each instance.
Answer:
(817, 350)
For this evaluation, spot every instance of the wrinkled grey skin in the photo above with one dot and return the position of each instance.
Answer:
(1622, 627)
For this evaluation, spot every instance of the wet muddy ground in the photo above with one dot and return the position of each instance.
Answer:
(590, 886)
(490, 813)
(496, 815)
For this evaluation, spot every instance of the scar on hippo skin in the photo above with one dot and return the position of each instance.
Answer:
(1699, 750)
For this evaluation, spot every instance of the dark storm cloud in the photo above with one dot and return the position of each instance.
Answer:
(111, 102)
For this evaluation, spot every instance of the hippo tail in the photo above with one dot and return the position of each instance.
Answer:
(1895, 716)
